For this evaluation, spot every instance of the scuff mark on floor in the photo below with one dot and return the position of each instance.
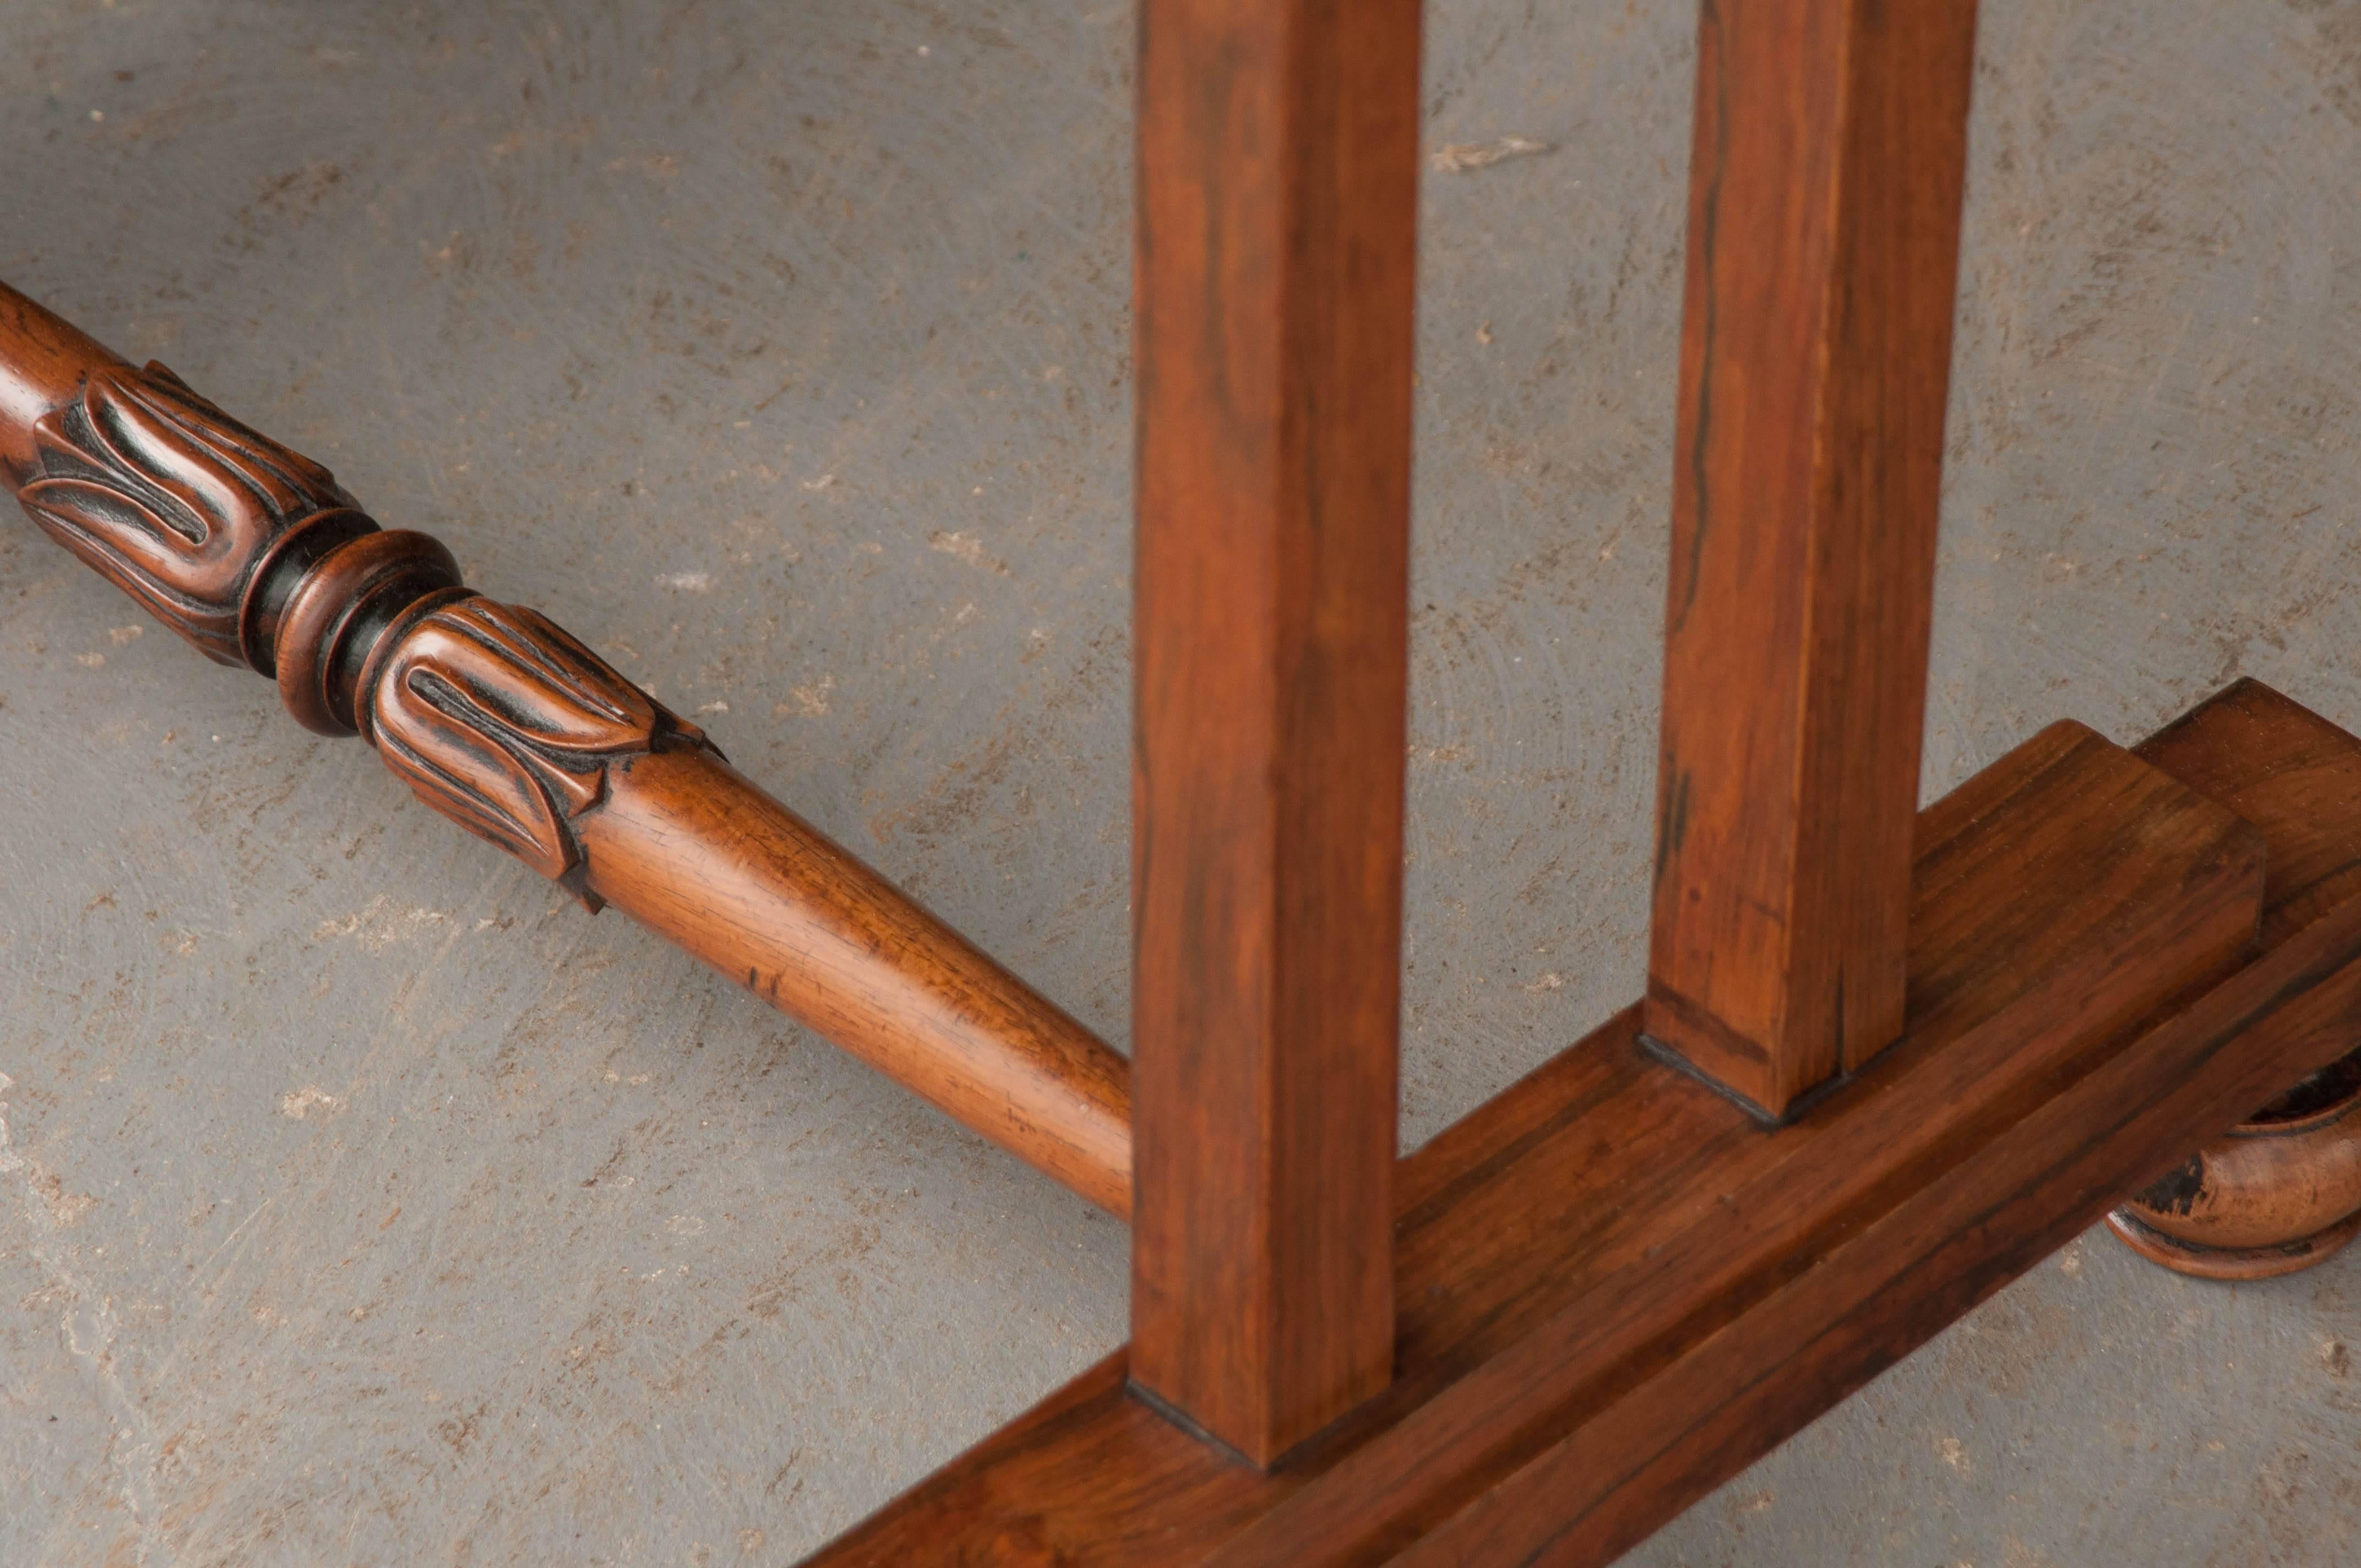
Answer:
(88, 1326)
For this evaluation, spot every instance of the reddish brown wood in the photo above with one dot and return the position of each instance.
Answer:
(164, 494)
(336, 615)
(2049, 1171)
(2293, 774)
(44, 361)
(1277, 157)
(1824, 214)
(2281, 1192)
(1616, 1289)
(2271, 1196)
(694, 851)
(499, 720)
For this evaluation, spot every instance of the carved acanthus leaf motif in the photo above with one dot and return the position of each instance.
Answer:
(504, 723)
(170, 498)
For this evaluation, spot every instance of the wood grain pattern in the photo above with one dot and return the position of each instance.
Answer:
(691, 848)
(2050, 1167)
(2281, 1191)
(2261, 755)
(1278, 159)
(1824, 214)
(1616, 1287)
(501, 721)
(44, 360)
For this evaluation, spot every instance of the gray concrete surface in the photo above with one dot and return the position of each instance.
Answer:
(362, 1201)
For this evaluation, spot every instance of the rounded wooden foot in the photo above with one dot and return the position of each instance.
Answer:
(2277, 1193)
(2229, 1263)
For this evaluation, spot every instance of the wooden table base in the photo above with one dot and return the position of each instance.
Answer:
(1969, 1030)
(500, 720)
(1617, 1288)
(2281, 1191)
(2275, 1195)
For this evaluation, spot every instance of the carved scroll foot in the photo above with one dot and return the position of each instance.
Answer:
(2277, 1194)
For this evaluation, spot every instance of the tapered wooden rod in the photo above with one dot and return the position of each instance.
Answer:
(690, 847)
(501, 721)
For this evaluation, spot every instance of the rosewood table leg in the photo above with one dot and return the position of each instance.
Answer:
(2281, 1191)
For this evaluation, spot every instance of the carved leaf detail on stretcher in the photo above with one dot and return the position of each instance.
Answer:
(506, 725)
(169, 499)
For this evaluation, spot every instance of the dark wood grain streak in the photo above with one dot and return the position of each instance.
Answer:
(1278, 159)
(1824, 218)
(1615, 1286)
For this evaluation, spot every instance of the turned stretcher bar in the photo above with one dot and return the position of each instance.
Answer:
(510, 726)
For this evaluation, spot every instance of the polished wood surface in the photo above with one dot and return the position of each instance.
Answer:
(1824, 214)
(501, 721)
(688, 846)
(164, 494)
(2281, 1192)
(2274, 762)
(2267, 1198)
(44, 360)
(1278, 159)
(1886, 1058)
(1617, 1288)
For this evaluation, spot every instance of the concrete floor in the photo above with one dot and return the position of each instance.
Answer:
(365, 1202)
